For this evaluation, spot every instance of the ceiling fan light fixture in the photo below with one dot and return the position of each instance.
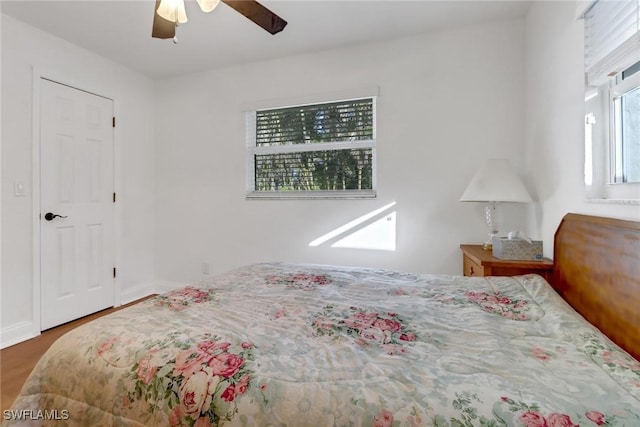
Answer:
(208, 5)
(172, 10)
(169, 13)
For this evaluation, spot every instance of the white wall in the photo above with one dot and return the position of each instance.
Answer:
(448, 100)
(23, 47)
(555, 120)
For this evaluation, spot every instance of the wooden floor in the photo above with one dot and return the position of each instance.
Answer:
(17, 361)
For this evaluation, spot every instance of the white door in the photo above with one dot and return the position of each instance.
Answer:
(76, 203)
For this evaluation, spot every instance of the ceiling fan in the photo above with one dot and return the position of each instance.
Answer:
(169, 13)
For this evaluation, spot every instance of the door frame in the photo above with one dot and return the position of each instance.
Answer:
(92, 87)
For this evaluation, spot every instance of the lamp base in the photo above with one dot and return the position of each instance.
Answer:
(492, 218)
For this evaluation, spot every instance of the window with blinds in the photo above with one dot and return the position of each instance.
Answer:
(612, 38)
(318, 150)
(612, 99)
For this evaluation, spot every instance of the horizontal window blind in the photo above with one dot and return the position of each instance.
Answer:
(308, 124)
(317, 150)
(329, 170)
(612, 38)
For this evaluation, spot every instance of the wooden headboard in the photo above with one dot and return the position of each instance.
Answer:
(597, 271)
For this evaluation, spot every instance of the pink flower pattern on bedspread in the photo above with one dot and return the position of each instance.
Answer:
(308, 345)
(199, 385)
(180, 299)
(304, 281)
(499, 304)
(387, 331)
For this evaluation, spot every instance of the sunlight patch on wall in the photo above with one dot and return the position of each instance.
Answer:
(375, 230)
(380, 235)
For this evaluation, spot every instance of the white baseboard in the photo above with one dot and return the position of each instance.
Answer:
(17, 333)
(162, 287)
(137, 292)
(23, 331)
(144, 290)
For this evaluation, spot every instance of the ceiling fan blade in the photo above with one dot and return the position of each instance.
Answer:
(162, 29)
(258, 14)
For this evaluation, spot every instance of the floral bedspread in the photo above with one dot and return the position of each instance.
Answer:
(307, 345)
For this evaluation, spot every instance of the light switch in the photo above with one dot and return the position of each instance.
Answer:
(19, 189)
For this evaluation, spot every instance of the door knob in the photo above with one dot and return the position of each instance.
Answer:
(50, 215)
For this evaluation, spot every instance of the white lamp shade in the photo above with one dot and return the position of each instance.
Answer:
(496, 181)
(172, 10)
(208, 5)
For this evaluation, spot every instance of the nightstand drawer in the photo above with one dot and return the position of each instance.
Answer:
(478, 262)
(471, 268)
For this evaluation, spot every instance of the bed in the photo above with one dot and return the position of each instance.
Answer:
(279, 344)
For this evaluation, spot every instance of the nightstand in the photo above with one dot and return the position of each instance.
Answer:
(478, 262)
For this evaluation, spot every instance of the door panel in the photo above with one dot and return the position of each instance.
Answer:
(76, 182)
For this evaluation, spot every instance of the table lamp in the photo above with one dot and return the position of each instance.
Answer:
(496, 181)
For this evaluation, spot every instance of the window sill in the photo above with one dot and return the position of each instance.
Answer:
(311, 195)
(614, 201)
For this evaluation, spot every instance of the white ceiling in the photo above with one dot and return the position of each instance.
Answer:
(121, 29)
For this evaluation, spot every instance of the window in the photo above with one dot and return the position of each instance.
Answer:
(316, 150)
(612, 138)
(625, 118)
(612, 121)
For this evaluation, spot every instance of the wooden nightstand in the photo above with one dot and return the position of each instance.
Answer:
(478, 262)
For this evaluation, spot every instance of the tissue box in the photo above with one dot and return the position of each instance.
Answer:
(517, 249)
